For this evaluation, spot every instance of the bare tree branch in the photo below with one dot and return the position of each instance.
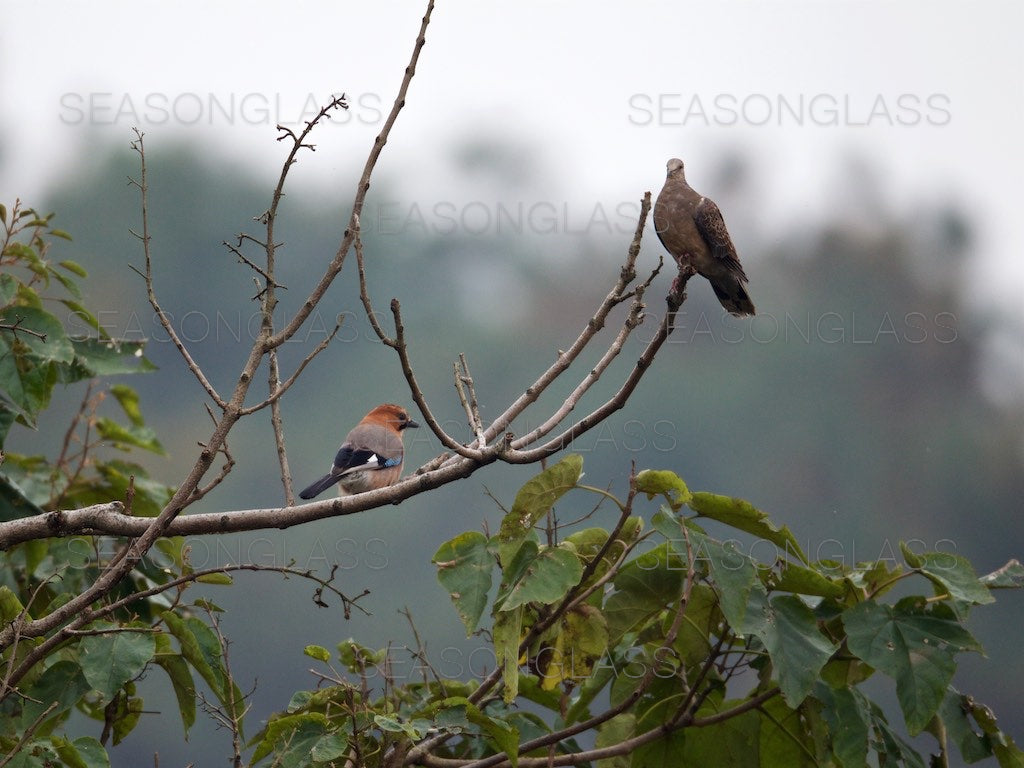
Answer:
(145, 237)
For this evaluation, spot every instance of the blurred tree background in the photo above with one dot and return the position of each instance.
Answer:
(866, 403)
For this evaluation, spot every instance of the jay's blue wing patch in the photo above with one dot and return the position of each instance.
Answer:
(350, 459)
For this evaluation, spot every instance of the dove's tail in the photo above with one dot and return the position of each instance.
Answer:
(733, 296)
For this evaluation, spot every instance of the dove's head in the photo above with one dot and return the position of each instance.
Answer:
(675, 167)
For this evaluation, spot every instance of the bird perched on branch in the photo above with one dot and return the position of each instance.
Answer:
(370, 457)
(691, 228)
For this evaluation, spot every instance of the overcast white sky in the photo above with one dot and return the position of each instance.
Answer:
(929, 92)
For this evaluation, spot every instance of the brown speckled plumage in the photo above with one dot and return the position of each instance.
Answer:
(692, 229)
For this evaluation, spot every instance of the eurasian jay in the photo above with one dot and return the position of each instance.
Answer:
(370, 457)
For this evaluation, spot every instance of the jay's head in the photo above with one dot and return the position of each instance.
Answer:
(393, 416)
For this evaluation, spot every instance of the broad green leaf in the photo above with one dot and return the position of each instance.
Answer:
(291, 738)
(849, 719)
(802, 580)
(604, 672)
(743, 516)
(911, 557)
(889, 745)
(358, 657)
(125, 716)
(111, 659)
(693, 642)
(55, 347)
(545, 578)
(955, 576)
(506, 635)
(181, 681)
(109, 357)
(203, 655)
(644, 587)
(783, 737)
(63, 684)
(128, 399)
(317, 652)
(953, 715)
(83, 752)
(534, 501)
(915, 646)
(797, 647)
(464, 568)
(123, 438)
(1006, 751)
(81, 318)
(10, 606)
(668, 751)
(613, 732)
(1009, 576)
(329, 748)
(733, 575)
(660, 482)
(581, 639)
(415, 729)
(459, 712)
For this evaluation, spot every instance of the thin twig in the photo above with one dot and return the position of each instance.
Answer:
(145, 237)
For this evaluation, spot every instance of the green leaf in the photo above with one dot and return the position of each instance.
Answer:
(534, 501)
(456, 713)
(358, 657)
(329, 748)
(1010, 576)
(415, 729)
(909, 555)
(181, 681)
(464, 568)
(805, 581)
(913, 645)
(10, 606)
(654, 482)
(63, 684)
(733, 742)
(55, 347)
(67, 264)
(545, 577)
(953, 714)
(109, 357)
(128, 399)
(955, 576)
(644, 586)
(849, 719)
(215, 578)
(580, 640)
(122, 437)
(317, 652)
(790, 634)
(83, 752)
(506, 635)
(8, 289)
(200, 648)
(669, 751)
(291, 738)
(784, 737)
(613, 732)
(734, 577)
(111, 659)
(743, 516)
(1006, 751)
